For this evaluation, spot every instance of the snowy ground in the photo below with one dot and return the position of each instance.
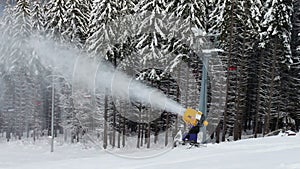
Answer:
(277, 152)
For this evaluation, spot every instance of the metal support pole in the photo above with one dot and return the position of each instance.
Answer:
(206, 54)
(52, 116)
(203, 92)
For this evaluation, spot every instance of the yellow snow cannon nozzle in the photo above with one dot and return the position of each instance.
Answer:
(205, 123)
(191, 116)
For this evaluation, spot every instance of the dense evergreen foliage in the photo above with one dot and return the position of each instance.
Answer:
(153, 39)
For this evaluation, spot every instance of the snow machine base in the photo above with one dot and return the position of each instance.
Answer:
(188, 144)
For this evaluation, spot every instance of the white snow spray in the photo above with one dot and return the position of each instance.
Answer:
(86, 72)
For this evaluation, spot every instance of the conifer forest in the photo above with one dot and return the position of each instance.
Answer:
(253, 73)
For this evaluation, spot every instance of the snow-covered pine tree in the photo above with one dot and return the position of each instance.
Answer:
(152, 31)
(76, 17)
(38, 84)
(19, 60)
(294, 106)
(185, 20)
(56, 19)
(245, 38)
(151, 44)
(109, 39)
(23, 73)
(22, 22)
(89, 5)
(9, 120)
(1, 104)
(216, 19)
(102, 36)
(38, 17)
(6, 18)
(192, 11)
(232, 28)
(6, 22)
(254, 70)
(237, 23)
(67, 119)
(276, 34)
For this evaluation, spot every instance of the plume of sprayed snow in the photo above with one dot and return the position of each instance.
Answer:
(83, 72)
(98, 75)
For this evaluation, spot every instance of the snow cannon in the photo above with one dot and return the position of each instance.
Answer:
(193, 117)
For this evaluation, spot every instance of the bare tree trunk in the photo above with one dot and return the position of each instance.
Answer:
(258, 97)
(65, 135)
(238, 122)
(267, 117)
(167, 130)
(156, 132)
(277, 121)
(114, 113)
(139, 130)
(110, 138)
(218, 133)
(139, 136)
(139, 139)
(256, 125)
(119, 128)
(228, 71)
(119, 139)
(124, 131)
(257, 113)
(119, 131)
(167, 125)
(114, 125)
(149, 129)
(187, 91)
(35, 124)
(34, 135)
(177, 99)
(105, 121)
(156, 127)
(142, 134)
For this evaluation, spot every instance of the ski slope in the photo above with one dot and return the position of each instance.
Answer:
(277, 152)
